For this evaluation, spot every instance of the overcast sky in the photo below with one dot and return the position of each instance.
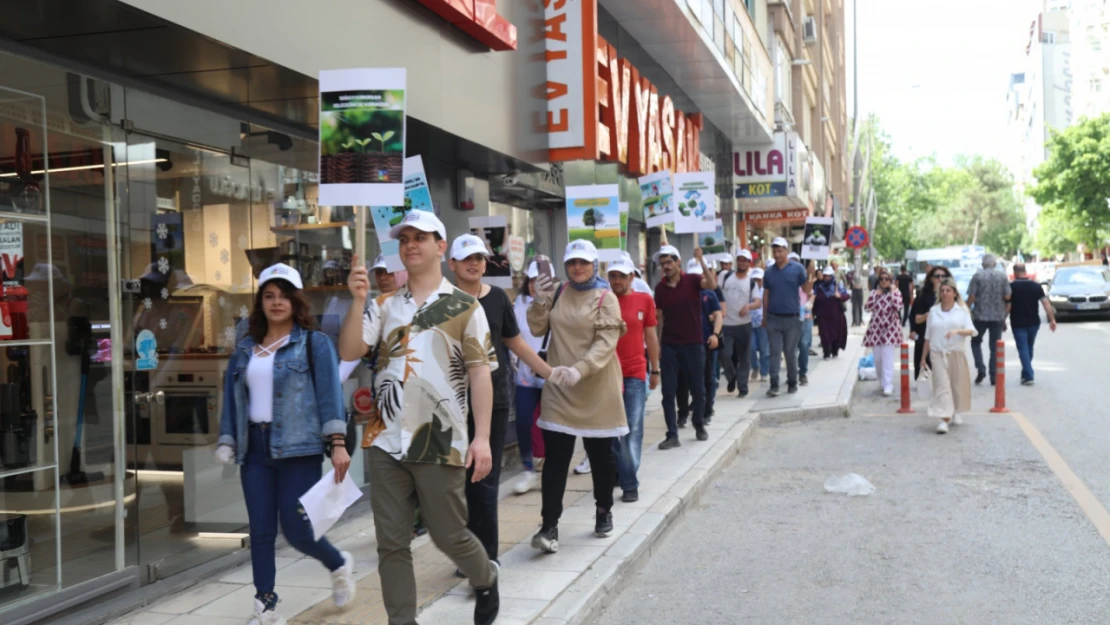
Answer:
(936, 71)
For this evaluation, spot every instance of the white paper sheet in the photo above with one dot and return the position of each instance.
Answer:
(325, 502)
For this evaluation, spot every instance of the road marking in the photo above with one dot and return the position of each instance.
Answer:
(1091, 506)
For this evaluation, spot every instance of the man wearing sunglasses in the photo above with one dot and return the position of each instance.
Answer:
(919, 313)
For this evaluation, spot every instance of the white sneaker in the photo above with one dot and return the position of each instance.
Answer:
(942, 427)
(262, 616)
(887, 392)
(957, 420)
(583, 467)
(526, 482)
(343, 581)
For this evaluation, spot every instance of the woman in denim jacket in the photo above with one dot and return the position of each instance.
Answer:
(282, 409)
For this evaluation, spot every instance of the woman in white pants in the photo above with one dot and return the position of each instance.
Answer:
(884, 332)
(946, 333)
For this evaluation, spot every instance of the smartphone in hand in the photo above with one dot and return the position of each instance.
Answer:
(543, 264)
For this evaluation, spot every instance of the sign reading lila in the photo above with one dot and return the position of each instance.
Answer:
(761, 171)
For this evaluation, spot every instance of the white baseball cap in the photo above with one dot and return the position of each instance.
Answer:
(757, 274)
(623, 266)
(829, 271)
(467, 245)
(534, 270)
(280, 271)
(379, 263)
(743, 254)
(421, 220)
(626, 257)
(580, 248)
(779, 242)
(794, 256)
(667, 250)
(693, 266)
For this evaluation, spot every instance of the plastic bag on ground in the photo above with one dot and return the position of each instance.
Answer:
(868, 373)
(853, 485)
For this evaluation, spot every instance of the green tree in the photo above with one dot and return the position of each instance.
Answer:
(1055, 235)
(593, 218)
(1075, 180)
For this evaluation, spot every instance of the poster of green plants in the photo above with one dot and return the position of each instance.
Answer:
(362, 137)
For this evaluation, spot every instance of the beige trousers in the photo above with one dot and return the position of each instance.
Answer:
(395, 489)
(951, 384)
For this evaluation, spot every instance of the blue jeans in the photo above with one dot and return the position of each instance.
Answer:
(761, 351)
(272, 488)
(627, 448)
(712, 379)
(993, 331)
(804, 343)
(687, 361)
(527, 398)
(1025, 337)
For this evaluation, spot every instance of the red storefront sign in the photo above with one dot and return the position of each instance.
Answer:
(479, 19)
(793, 214)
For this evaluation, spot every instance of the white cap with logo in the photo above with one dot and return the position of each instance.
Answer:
(280, 271)
(667, 250)
(829, 271)
(744, 254)
(467, 245)
(379, 263)
(581, 249)
(779, 242)
(794, 256)
(757, 274)
(693, 266)
(622, 266)
(421, 220)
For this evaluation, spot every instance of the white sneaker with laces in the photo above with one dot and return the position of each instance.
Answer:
(343, 581)
(262, 616)
(526, 482)
(942, 427)
(957, 420)
(583, 467)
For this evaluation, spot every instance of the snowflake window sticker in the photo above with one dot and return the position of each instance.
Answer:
(229, 335)
(162, 323)
(162, 231)
(243, 312)
(213, 239)
(223, 301)
(165, 293)
(147, 303)
(163, 265)
(225, 256)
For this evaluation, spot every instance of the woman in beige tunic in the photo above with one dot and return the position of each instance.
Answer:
(946, 332)
(584, 395)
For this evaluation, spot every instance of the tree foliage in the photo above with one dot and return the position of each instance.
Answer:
(1074, 183)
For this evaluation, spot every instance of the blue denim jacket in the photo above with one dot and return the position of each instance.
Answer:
(303, 419)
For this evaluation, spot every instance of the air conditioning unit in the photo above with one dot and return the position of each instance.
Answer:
(809, 30)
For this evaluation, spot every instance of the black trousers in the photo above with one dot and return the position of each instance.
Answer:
(918, 349)
(481, 497)
(905, 309)
(559, 448)
(857, 307)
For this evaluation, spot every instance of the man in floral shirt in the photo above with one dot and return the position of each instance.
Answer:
(434, 348)
(988, 294)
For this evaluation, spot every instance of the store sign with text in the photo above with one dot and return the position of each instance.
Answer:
(794, 214)
(780, 169)
(479, 19)
(598, 105)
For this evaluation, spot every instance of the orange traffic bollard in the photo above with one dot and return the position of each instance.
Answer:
(905, 409)
(1000, 378)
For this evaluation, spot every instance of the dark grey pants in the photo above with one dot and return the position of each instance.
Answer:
(737, 340)
(783, 334)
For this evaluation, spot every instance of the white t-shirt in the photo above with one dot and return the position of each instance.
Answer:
(260, 381)
(738, 294)
(941, 322)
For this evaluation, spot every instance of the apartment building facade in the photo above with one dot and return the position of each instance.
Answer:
(1089, 25)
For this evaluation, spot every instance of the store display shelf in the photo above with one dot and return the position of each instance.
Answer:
(8, 213)
(303, 227)
(26, 470)
(26, 343)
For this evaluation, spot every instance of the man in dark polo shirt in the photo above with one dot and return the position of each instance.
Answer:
(781, 312)
(679, 313)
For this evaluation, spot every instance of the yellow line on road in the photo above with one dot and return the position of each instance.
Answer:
(1091, 506)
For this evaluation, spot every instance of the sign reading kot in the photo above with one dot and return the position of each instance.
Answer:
(598, 105)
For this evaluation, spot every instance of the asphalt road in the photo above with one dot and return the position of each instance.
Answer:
(974, 527)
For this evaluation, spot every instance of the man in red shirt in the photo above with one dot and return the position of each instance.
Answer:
(678, 308)
(638, 312)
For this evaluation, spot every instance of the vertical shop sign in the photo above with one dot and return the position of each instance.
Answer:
(695, 201)
(11, 253)
(569, 35)
(362, 137)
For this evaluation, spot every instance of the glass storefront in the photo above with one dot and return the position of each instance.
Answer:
(132, 230)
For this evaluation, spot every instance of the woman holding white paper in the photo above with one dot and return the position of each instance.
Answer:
(282, 410)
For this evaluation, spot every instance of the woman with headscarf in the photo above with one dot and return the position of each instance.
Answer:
(947, 329)
(828, 308)
(884, 332)
(583, 396)
(919, 313)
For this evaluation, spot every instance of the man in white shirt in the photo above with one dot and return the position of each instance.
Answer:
(740, 300)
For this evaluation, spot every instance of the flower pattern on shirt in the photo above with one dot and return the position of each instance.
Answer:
(885, 327)
(990, 288)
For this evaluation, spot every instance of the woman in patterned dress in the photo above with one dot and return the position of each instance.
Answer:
(884, 332)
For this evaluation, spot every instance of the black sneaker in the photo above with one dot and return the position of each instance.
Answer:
(702, 434)
(1027, 382)
(803, 380)
(708, 418)
(670, 443)
(630, 496)
(791, 388)
(731, 385)
(773, 391)
(489, 601)
(604, 525)
(982, 376)
(546, 540)
(682, 422)
(743, 394)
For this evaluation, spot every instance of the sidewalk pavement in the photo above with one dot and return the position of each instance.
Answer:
(558, 589)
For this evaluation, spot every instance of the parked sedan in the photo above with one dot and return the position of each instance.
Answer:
(1083, 290)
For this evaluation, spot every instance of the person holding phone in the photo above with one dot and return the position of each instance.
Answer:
(282, 411)
(884, 332)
